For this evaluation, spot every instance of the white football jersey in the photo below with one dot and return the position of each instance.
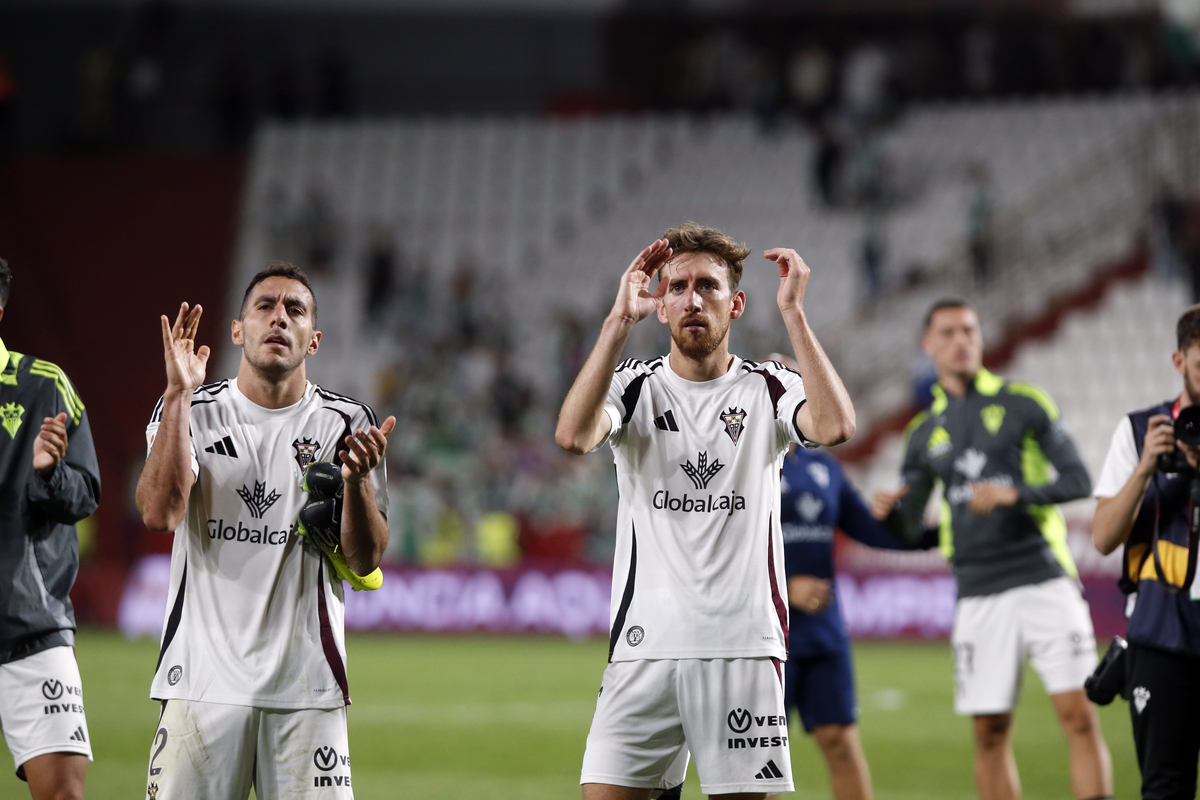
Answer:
(698, 571)
(255, 614)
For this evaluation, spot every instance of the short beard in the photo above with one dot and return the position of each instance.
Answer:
(700, 347)
(274, 370)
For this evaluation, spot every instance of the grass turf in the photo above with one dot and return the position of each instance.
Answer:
(506, 718)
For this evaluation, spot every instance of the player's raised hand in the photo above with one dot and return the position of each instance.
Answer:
(793, 277)
(50, 446)
(883, 502)
(185, 364)
(635, 301)
(365, 449)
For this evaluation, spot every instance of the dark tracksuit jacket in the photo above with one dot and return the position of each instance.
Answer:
(1001, 432)
(39, 549)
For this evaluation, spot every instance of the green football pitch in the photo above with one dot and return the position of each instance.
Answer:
(476, 716)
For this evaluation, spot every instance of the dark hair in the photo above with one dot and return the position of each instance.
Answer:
(1187, 330)
(942, 305)
(692, 238)
(5, 282)
(279, 269)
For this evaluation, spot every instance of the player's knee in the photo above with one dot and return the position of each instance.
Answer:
(62, 791)
(1078, 720)
(992, 730)
(835, 741)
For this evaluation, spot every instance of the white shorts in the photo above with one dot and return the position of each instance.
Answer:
(1047, 623)
(212, 751)
(728, 713)
(41, 706)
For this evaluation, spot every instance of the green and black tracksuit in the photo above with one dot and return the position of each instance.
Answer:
(39, 549)
(1001, 432)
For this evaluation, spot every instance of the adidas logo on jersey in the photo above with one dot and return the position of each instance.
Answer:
(666, 422)
(222, 447)
(78, 735)
(769, 772)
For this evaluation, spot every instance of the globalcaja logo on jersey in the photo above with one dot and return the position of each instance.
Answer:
(258, 501)
(700, 473)
(703, 472)
(971, 464)
(306, 451)
(10, 416)
(735, 423)
(217, 529)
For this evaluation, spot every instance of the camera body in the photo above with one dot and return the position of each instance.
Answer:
(1187, 430)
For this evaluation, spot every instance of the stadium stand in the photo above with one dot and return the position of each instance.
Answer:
(505, 236)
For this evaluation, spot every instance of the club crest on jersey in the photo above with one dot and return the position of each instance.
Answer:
(993, 418)
(735, 423)
(258, 501)
(10, 416)
(306, 451)
(702, 472)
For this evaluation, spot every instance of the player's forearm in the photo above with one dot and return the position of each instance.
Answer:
(166, 481)
(1115, 516)
(582, 423)
(364, 528)
(828, 403)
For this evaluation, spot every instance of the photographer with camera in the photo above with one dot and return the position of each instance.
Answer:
(1148, 498)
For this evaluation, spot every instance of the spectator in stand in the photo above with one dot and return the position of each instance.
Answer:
(1190, 250)
(810, 80)
(827, 162)
(980, 242)
(865, 76)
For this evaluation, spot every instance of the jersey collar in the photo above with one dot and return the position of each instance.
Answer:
(3, 356)
(986, 383)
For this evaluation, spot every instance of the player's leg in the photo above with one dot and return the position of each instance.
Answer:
(988, 666)
(996, 774)
(1091, 763)
(828, 710)
(636, 746)
(202, 751)
(1057, 624)
(1164, 703)
(303, 753)
(56, 776)
(42, 717)
(736, 726)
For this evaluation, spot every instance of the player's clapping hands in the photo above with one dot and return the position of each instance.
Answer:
(185, 364)
(635, 301)
(793, 277)
(365, 451)
(50, 446)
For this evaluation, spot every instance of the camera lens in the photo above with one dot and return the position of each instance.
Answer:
(1187, 426)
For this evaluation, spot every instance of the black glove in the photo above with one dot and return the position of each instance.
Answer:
(321, 517)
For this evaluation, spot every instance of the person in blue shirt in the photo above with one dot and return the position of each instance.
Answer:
(819, 681)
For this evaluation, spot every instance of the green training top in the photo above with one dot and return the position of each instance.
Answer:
(1001, 432)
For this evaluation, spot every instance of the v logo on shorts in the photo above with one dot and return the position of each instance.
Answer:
(325, 758)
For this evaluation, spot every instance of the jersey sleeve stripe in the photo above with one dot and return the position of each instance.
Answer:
(49, 370)
(328, 395)
(74, 405)
(629, 398)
